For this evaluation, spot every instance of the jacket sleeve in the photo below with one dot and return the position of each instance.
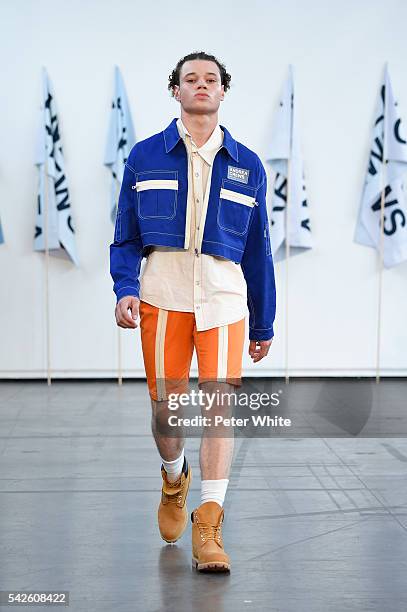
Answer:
(126, 251)
(258, 269)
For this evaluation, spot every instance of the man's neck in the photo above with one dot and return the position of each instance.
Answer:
(199, 126)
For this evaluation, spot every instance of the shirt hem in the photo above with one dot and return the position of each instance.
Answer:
(222, 323)
(159, 305)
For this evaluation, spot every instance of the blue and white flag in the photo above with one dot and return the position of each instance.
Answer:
(286, 160)
(120, 140)
(386, 171)
(53, 194)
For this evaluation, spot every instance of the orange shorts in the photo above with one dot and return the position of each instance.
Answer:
(168, 338)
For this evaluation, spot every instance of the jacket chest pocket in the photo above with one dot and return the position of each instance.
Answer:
(236, 203)
(157, 193)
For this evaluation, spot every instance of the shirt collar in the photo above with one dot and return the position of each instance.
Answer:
(172, 137)
(207, 150)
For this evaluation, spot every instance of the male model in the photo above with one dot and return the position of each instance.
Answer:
(193, 202)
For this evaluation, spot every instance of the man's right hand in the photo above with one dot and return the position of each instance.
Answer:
(123, 317)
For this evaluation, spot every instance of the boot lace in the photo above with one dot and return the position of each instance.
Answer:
(210, 532)
(175, 498)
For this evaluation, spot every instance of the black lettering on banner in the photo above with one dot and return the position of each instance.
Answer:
(377, 203)
(375, 154)
(64, 203)
(69, 223)
(38, 229)
(376, 206)
(305, 223)
(393, 215)
(397, 135)
(383, 93)
(280, 190)
(123, 139)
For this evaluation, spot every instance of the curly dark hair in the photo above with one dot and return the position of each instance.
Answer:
(173, 78)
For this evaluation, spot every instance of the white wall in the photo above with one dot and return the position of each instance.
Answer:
(338, 50)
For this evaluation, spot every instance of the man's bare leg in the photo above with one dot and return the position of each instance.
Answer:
(176, 473)
(169, 447)
(217, 444)
(215, 458)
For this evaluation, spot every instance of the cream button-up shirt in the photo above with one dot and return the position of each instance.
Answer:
(212, 287)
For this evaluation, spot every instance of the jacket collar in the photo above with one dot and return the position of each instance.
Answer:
(172, 136)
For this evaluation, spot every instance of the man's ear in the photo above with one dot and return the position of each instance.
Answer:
(176, 93)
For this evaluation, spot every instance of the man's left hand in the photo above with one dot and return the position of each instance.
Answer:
(259, 349)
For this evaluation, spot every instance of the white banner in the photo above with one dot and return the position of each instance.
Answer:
(52, 188)
(286, 160)
(120, 139)
(386, 170)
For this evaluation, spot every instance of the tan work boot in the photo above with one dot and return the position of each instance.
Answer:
(207, 545)
(172, 511)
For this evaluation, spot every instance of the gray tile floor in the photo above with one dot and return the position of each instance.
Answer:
(310, 524)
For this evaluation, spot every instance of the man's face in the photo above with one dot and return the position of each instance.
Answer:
(200, 90)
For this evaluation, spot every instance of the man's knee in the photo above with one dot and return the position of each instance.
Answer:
(219, 397)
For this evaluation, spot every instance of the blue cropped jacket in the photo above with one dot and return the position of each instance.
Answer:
(152, 210)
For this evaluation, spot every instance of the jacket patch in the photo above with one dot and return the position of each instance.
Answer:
(238, 174)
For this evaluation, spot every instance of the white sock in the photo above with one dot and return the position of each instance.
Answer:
(214, 490)
(174, 468)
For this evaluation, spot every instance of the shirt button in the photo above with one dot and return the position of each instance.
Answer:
(196, 174)
(197, 282)
(197, 200)
(198, 307)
